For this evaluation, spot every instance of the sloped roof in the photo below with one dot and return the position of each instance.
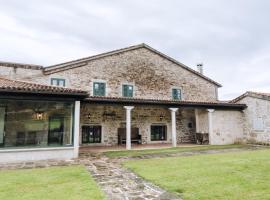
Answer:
(126, 100)
(260, 95)
(15, 86)
(83, 61)
(21, 65)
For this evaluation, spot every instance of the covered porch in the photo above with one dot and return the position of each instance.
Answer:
(134, 123)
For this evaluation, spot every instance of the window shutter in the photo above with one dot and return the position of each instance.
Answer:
(130, 90)
(102, 89)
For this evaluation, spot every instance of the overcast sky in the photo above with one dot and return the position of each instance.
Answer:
(230, 37)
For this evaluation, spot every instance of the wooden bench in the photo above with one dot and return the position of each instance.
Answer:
(135, 136)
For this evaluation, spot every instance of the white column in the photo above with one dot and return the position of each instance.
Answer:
(173, 119)
(197, 120)
(210, 125)
(128, 126)
(76, 128)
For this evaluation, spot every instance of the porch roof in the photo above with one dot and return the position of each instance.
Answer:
(176, 103)
(8, 86)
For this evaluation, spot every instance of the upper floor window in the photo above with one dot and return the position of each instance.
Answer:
(176, 94)
(58, 82)
(99, 89)
(127, 90)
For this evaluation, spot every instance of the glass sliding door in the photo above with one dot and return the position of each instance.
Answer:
(2, 125)
(56, 130)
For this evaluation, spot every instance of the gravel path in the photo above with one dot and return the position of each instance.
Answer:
(119, 183)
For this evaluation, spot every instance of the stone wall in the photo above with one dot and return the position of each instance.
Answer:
(153, 76)
(257, 120)
(227, 127)
(202, 121)
(20, 73)
(142, 117)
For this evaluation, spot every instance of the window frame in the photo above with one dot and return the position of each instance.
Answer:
(94, 91)
(165, 135)
(173, 96)
(58, 81)
(123, 90)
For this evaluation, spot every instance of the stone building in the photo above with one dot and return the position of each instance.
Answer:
(256, 117)
(132, 95)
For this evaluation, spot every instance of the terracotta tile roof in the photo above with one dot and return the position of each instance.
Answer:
(261, 95)
(84, 61)
(125, 100)
(15, 86)
(21, 65)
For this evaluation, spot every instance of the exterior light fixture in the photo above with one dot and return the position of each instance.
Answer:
(161, 117)
(89, 116)
(39, 115)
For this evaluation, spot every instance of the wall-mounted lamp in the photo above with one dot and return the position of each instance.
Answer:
(39, 115)
(161, 117)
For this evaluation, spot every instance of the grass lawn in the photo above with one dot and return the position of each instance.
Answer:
(135, 153)
(61, 183)
(233, 176)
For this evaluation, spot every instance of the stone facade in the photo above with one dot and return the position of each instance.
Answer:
(142, 118)
(152, 76)
(227, 127)
(21, 73)
(257, 119)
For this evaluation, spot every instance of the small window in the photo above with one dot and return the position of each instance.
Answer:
(258, 124)
(58, 82)
(99, 89)
(176, 94)
(158, 132)
(127, 90)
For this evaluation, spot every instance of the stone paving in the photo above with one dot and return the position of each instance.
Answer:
(117, 182)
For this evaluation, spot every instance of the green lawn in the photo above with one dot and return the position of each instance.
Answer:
(55, 183)
(230, 176)
(135, 153)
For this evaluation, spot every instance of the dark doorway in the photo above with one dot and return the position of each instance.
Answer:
(56, 130)
(91, 134)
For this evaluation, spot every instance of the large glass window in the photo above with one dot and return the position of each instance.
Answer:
(158, 132)
(99, 89)
(27, 123)
(127, 90)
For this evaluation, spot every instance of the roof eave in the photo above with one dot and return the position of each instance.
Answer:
(167, 103)
(38, 92)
